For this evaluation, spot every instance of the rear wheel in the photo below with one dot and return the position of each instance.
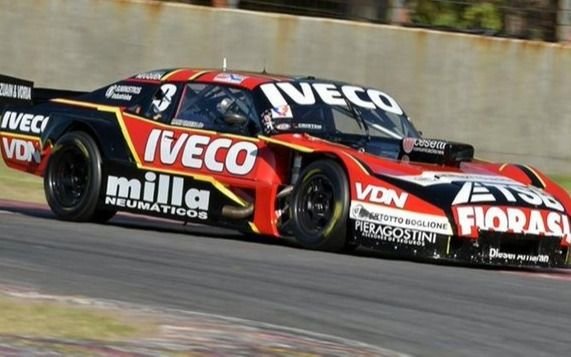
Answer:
(320, 206)
(73, 179)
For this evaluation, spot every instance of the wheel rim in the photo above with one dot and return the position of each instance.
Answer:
(317, 203)
(69, 177)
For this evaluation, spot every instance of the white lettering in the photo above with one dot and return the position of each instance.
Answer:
(351, 93)
(166, 197)
(220, 154)
(21, 150)
(249, 151)
(394, 234)
(273, 94)
(169, 152)
(382, 195)
(329, 94)
(210, 156)
(123, 187)
(399, 218)
(515, 220)
(192, 151)
(305, 97)
(24, 122)
(474, 192)
(384, 101)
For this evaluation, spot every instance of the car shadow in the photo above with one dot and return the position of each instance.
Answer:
(160, 225)
(148, 223)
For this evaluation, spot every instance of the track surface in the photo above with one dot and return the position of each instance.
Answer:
(411, 307)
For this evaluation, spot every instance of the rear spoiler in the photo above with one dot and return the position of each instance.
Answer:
(20, 92)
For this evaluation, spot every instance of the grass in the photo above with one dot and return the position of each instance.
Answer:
(19, 186)
(57, 320)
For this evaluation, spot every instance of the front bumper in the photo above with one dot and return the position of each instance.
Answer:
(490, 248)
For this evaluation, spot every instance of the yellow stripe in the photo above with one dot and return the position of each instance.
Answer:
(254, 228)
(448, 246)
(357, 162)
(225, 190)
(536, 175)
(194, 76)
(108, 108)
(239, 137)
(170, 74)
(199, 177)
(285, 143)
(20, 136)
(503, 166)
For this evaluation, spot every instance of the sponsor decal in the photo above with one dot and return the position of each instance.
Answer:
(427, 146)
(495, 253)
(230, 78)
(309, 126)
(277, 119)
(408, 144)
(306, 93)
(162, 194)
(283, 111)
(430, 178)
(21, 150)
(24, 122)
(164, 100)
(383, 195)
(188, 123)
(153, 76)
(395, 234)
(472, 219)
(15, 91)
(122, 92)
(474, 192)
(399, 218)
(199, 151)
(283, 126)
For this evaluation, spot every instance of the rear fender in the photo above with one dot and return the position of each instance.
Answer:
(102, 127)
(20, 142)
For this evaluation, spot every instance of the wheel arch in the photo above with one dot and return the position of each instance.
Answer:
(320, 203)
(354, 169)
(104, 131)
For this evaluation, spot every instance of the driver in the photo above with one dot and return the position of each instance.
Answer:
(194, 119)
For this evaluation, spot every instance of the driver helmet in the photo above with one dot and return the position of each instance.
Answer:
(224, 105)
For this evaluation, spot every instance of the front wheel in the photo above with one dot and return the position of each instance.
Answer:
(320, 206)
(73, 179)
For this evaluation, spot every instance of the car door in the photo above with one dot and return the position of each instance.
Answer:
(184, 131)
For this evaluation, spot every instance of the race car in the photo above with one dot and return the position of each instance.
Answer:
(330, 164)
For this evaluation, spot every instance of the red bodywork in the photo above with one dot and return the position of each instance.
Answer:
(257, 179)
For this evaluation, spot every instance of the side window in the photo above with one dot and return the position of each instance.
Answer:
(161, 105)
(205, 106)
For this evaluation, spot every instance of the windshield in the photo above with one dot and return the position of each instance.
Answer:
(335, 109)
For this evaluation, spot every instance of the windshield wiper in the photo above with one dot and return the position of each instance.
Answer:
(360, 121)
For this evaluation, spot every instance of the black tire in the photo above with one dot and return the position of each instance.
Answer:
(72, 180)
(320, 207)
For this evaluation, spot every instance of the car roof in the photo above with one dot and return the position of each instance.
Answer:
(244, 79)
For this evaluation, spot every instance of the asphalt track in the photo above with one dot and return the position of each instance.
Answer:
(410, 307)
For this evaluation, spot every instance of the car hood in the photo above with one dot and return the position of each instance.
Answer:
(478, 196)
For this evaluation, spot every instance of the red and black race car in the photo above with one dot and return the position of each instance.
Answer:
(331, 164)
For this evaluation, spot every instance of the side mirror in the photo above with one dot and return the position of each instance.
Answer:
(235, 119)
